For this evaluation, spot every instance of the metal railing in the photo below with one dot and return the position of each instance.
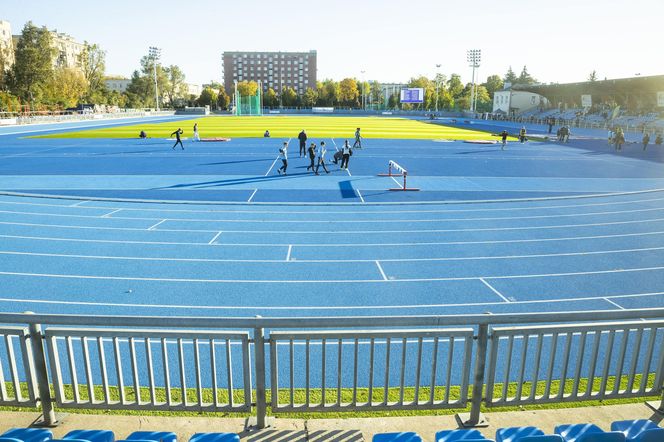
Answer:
(329, 363)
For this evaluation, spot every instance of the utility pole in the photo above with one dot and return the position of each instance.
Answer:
(437, 84)
(155, 55)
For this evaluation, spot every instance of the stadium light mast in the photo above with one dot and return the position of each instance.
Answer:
(364, 107)
(474, 59)
(155, 55)
(437, 84)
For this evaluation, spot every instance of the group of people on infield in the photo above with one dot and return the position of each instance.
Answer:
(317, 154)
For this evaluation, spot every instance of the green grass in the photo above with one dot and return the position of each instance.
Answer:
(286, 127)
(346, 397)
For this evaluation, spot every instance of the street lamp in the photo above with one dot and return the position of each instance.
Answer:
(474, 59)
(155, 55)
(362, 80)
(437, 84)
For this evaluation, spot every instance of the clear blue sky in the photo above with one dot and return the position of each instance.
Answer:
(559, 40)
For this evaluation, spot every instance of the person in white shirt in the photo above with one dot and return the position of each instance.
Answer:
(196, 136)
(283, 154)
(346, 151)
(321, 158)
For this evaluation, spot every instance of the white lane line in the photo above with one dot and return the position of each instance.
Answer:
(106, 215)
(257, 210)
(28, 154)
(61, 129)
(325, 281)
(252, 195)
(347, 170)
(152, 227)
(614, 303)
(382, 273)
(26, 299)
(359, 194)
(290, 250)
(394, 179)
(357, 260)
(271, 166)
(334, 144)
(214, 238)
(493, 289)
(359, 232)
(365, 221)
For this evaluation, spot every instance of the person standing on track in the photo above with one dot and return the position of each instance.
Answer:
(522, 134)
(503, 137)
(196, 137)
(346, 152)
(312, 156)
(358, 139)
(645, 140)
(283, 154)
(303, 143)
(321, 158)
(178, 140)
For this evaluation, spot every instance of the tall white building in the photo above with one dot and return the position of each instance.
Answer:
(117, 84)
(68, 50)
(6, 43)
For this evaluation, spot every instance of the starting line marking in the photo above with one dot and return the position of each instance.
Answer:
(494, 290)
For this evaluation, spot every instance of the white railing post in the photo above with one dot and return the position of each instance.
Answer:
(475, 418)
(41, 374)
(259, 368)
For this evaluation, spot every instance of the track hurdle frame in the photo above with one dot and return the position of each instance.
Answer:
(391, 166)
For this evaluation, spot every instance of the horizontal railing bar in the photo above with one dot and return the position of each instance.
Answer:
(572, 398)
(368, 334)
(160, 406)
(144, 333)
(328, 321)
(569, 328)
(377, 406)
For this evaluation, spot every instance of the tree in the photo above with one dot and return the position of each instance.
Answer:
(525, 77)
(289, 97)
(592, 76)
(140, 91)
(175, 86)
(66, 88)
(247, 88)
(429, 90)
(493, 83)
(5, 53)
(377, 94)
(454, 86)
(348, 93)
(208, 97)
(33, 65)
(271, 99)
(309, 98)
(215, 85)
(510, 76)
(223, 100)
(93, 64)
(328, 93)
(393, 101)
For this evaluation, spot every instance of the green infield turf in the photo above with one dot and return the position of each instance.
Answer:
(286, 127)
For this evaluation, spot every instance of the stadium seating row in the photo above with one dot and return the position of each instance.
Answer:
(42, 435)
(641, 430)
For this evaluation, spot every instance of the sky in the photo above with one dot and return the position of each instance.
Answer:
(391, 41)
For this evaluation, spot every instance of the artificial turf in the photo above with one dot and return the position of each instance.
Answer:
(286, 127)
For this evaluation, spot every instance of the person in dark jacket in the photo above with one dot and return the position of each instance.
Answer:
(303, 143)
(178, 140)
(312, 156)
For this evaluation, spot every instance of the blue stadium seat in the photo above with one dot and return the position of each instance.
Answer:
(156, 436)
(462, 435)
(633, 428)
(397, 437)
(91, 435)
(611, 436)
(573, 432)
(512, 434)
(28, 434)
(69, 440)
(652, 435)
(215, 437)
(544, 438)
(9, 439)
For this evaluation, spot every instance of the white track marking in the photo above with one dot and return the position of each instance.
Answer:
(394, 179)
(489, 209)
(614, 303)
(362, 232)
(214, 238)
(382, 273)
(288, 254)
(152, 227)
(354, 245)
(494, 290)
(324, 281)
(397, 260)
(60, 129)
(25, 299)
(106, 215)
(334, 144)
(359, 194)
(252, 195)
(271, 166)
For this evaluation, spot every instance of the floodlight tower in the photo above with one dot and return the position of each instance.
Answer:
(474, 59)
(362, 80)
(437, 84)
(155, 55)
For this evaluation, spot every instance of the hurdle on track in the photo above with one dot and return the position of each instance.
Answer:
(393, 166)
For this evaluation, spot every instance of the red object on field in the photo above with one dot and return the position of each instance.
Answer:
(216, 139)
